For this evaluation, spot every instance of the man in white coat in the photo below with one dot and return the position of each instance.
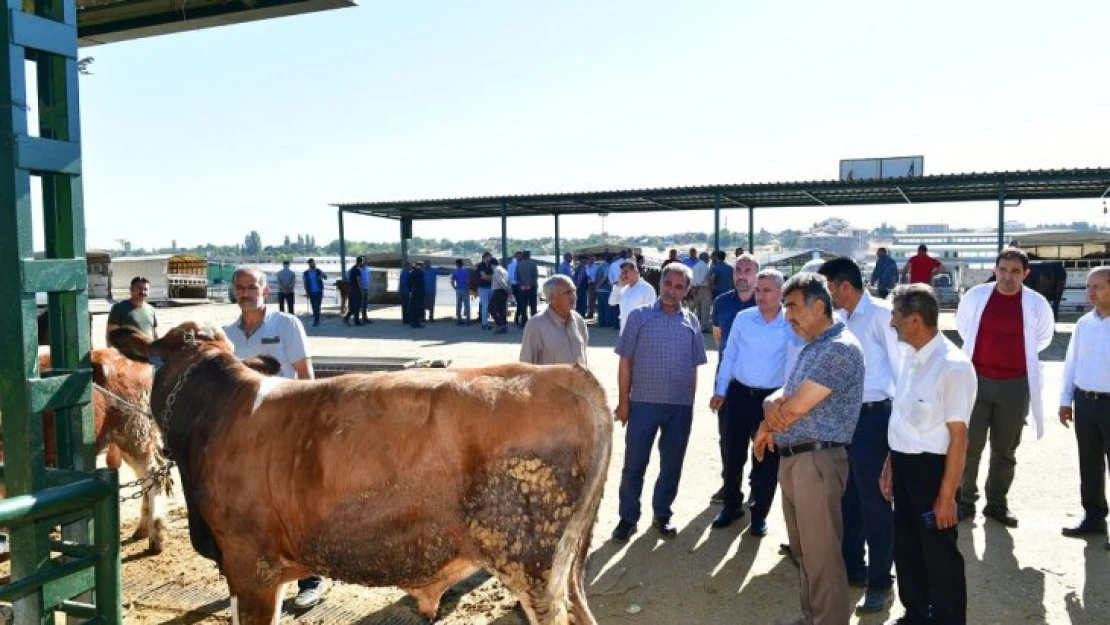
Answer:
(1004, 326)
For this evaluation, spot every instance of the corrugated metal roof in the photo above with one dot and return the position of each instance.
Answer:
(1023, 185)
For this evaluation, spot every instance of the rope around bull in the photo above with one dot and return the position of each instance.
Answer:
(162, 477)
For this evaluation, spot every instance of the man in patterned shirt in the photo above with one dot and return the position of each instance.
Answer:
(661, 348)
(811, 421)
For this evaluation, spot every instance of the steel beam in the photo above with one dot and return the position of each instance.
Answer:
(717, 222)
(751, 230)
(558, 256)
(504, 231)
(342, 249)
(1001, 216)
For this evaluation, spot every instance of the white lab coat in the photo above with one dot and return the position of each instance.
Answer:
(1039, 328)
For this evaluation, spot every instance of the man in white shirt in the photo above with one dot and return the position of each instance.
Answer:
(260, 331)
(614, 272)
(700, 295)
(867, 515)
(1004, 326)
(1087, 385)
(928, 437)
(743, 382)
(635, 292)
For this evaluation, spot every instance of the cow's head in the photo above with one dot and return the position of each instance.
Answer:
(188, 337)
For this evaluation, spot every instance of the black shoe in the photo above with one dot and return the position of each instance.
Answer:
(718, 497)
(1001, 514)
(857, 582)
(758, 528)
(965, 511)
(1088, 527)
(726, 517)
(623, 530)
(664, 527)
(875, 600)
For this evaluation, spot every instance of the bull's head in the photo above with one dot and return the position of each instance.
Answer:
(186, 337)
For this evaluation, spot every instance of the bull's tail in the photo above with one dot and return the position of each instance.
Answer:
(574, 547)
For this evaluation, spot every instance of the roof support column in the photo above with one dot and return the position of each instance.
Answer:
(504, 230)
(342, 247)
(406, 234)
(751, 230)
(557, 254)
(717, 222)
(1001, 216)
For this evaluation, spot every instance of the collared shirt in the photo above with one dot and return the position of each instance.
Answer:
(689, 262)
(833, 360)
(286, 280)
(885, 273)
(512, 272)
(615, 272)
(1087, 364)
(882, 353)
(759, 352)
(634, 296)
(314, 280)
(461, 276)
(937, 387)
(591, 273)
(549, 340)
(281, 335)
(722, 274)
(666, 350)
(365, 277)
(564, 269)
(527, 273)
(725, 309)
(602, 277)
(143, 318)
(500, 278)
(403, 280)
(430, 278)
(701, 274)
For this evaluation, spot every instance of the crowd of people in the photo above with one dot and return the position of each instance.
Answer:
(847, 399)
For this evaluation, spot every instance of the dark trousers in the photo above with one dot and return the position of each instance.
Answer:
(931, 582)
(1092, 433)
(744, 413)
(405, 299)
(499, 307)
(582, 304)
(645, 420)
(314, 300)
(868, 517)
(353, 310)
(365, 303)
(282, 299)
(604, 310)
(1000, 408)
(312, 581)
(416, 308)
(518, 300)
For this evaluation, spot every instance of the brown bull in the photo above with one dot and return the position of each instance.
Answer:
(414, 479)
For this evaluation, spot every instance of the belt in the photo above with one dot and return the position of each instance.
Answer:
(752, 390)
(873, 405)
(1092, 395)
(802, 448)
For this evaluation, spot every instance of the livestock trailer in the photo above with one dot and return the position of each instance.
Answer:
(174, 278)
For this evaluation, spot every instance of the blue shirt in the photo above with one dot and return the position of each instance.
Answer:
(312, 281)
(666, 350)
(461, 276)
(725, 309)
(759, 353)
(722, 278)
(564, 269)
(430, 280)
(833, 360)
(365, 278)
(403, 281)
(689, 262)
(885, 273)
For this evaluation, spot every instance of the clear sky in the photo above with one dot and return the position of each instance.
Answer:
(201, 137)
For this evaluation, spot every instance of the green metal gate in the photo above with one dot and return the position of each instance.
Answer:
(49, 575)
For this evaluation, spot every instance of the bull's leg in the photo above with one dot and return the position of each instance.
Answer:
(427, 597)
(251, 605)
(152, 523)
(114, 457)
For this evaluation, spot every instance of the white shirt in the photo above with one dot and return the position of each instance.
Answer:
(759, 352)
(937, 386)
(701, 273)
(500, 279)
(882, 353)
(281, 335)
(634, 296)
(1087, 364)
(1039, 327)
(615, 272)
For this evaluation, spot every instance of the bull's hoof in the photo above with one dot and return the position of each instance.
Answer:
(157, 537)
(141, 532)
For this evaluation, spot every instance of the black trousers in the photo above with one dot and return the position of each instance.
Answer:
(931, 583)
(416, 308)
(499, 306)
(744, 413)
(1092, 433)
(282, 299)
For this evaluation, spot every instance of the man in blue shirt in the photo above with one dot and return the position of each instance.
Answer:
(720, 276)
(564, 267)
(692, 259)
(884, 277)
(661, 349)
(810, 421)
(313, 280)
(746, 380)
(430, 277)
(403, 291)
(460, 281)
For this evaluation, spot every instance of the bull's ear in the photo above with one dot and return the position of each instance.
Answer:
(131, 342)
(264, 364)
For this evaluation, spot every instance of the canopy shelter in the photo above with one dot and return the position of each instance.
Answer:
(1006, 188)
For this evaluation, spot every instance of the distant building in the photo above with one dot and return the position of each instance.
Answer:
(926, 228)
(837, 236)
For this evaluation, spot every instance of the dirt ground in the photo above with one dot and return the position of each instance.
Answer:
(1022, 576)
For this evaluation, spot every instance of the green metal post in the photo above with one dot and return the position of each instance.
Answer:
(504, 231)
(1001, 216)
(108, 566)
(558, 256)
(751, 230)
(342, 248)
(717, 222)
(406, 234)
